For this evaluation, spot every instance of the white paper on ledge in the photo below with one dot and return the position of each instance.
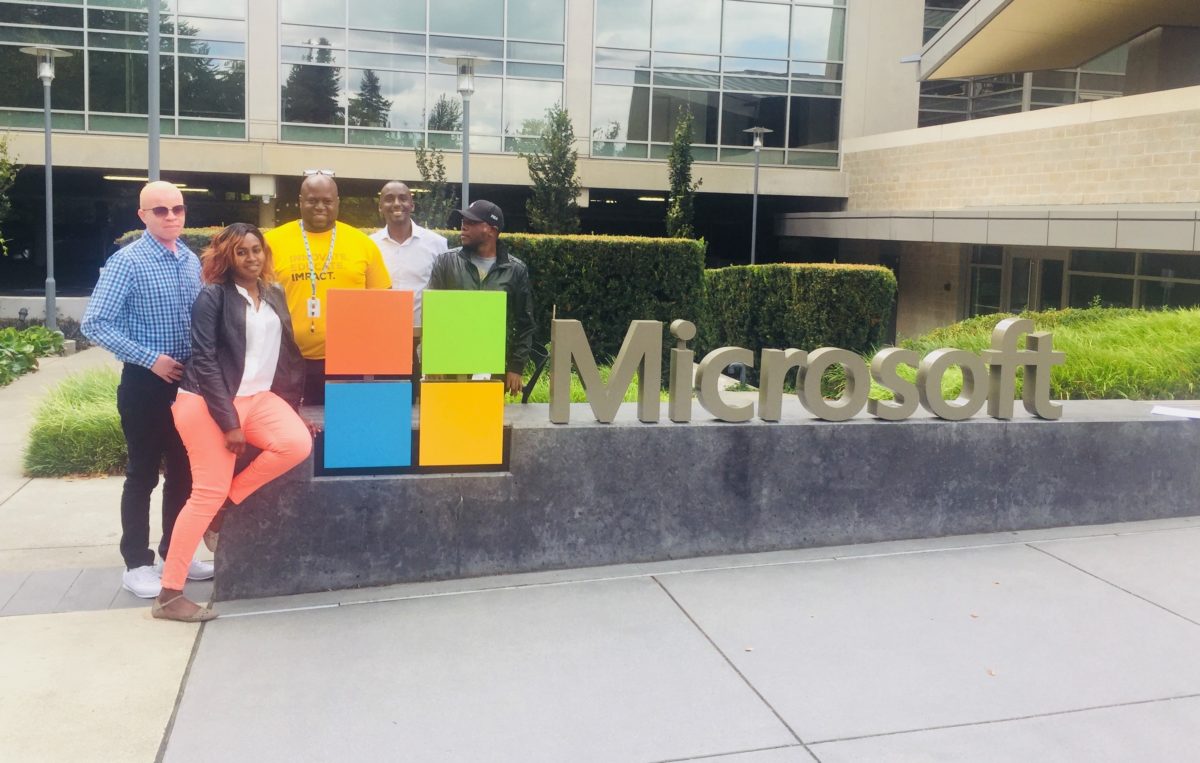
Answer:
(1175, 410)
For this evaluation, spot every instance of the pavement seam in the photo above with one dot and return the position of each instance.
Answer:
(20, 487)
(1013, 719)
(187, 674)
(729, 662)
(718, 755)
(1114, 585)
(9, 598)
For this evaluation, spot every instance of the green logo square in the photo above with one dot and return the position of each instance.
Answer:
(463, 332)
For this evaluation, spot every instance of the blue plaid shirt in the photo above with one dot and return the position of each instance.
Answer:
(142, 305)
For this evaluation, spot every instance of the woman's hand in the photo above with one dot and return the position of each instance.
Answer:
(235, 441)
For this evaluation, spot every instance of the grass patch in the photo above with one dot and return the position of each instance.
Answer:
(76, 429)
(541, 390)
(1112, 353)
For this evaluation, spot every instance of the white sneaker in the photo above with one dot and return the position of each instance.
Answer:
(199, 570)
(144, 582)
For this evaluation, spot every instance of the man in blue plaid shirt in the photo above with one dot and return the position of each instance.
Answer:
(141, 311)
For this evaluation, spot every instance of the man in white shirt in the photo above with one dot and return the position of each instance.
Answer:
(408, 249)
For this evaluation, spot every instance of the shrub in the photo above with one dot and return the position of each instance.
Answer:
(195, 238)
(20, 349)
(76, 429)
(603, 281)
(801, 306)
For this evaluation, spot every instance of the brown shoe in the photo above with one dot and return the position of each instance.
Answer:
(159, 610)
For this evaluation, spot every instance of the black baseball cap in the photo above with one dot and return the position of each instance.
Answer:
(482, 211)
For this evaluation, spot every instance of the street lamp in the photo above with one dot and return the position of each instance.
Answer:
(465, 68)
(45, 71)
(758, 133)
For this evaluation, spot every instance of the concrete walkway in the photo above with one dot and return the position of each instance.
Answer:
(1060, 645)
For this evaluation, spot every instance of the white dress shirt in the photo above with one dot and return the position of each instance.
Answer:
(410, 263)
(263, 334)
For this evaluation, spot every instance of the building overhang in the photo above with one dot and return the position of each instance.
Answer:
(1149, 227)
(1001, 36)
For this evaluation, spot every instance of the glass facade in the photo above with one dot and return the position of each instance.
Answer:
(102, 86)
(731, 64)
(368, 73)
(956, 100)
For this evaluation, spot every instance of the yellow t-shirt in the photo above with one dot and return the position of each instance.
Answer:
(355, 264)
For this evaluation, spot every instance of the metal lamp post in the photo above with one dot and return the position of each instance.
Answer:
(758, 133)
(45, 71)
(465, 68)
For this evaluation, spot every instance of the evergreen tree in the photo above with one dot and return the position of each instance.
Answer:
(552, 207)
(446, 115)
(681, 204)
(433, 207)
(369, 108)
(8, 175)
(311, 92)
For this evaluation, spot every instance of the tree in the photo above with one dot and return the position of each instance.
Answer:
(681, 204)
(552, 207)
(311, 92)
(369, 108)
(446, 115)
(8, 174)
(433, 207)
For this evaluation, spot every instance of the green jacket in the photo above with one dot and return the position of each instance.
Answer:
(454, 270)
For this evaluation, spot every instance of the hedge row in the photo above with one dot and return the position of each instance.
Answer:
(602, 281)
(803, 306)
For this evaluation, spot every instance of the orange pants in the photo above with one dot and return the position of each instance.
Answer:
(269, 424)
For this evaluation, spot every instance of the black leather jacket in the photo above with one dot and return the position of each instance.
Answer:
(219, 351)
(454, 270)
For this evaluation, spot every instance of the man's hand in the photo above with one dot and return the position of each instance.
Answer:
(235, 441)
(167, 368)
(512, 383)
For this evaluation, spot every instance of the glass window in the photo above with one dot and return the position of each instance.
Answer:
(313, 35)
(985, 291)
(212, 88)
(628, 58)
(386, 61)
(686, 62)
(755, 66)
(1169, 294)
(445, 105)
(1109, 292)
(406, 15)
(535, 51)
(525, 104)
(1158, 265)
(817, 33)
(20, 87)
(465, 46)
(536, 19)
(295, 55)
(987, 255)
(1052, 283)
(665, 106)
(739, 112)
(120, 21)
(387, 41)
(212, 29)
(41, 36)
(40, 15)
(386, 99)
(1103, 262)
(312, 94)
(540, 71)
(235, 9)
(815, 122)
(687, 26)
(623, 23)
(621, 77)
(476, 17)
(620, 113)
(117, 83)
(322, 12)
(755, 29)
(687, 79)
(762, 85)
(818, 71)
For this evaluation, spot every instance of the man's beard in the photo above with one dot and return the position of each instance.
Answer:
(471, 248)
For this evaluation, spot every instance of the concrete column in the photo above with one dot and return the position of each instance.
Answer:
(262, 72)
(880, 94)
(578, 85)
(264, 188)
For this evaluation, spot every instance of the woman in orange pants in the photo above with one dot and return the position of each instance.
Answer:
(242, 385)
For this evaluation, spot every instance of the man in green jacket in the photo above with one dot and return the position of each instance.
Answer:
(481, 264)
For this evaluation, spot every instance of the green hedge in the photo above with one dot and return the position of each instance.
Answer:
(804, 306)
(603, 281)
(21, 348)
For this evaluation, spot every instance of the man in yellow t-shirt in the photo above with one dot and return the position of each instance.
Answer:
(313, 255)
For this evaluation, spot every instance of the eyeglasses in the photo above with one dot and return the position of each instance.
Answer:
(178, 210)
(327, 173)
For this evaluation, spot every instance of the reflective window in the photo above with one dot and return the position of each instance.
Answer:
(623, 23)
(665, 109)
(315, 12)
(687, 26)
(407, 15)
(755, 29)
(23, 90)
(740, 112)
(386, 99)
(212, 88)
(117, 83)
(536, 19)
(313, 93)
(815, 123)
(817, 33)
(620, 113)
(476, 17)
(525, 105)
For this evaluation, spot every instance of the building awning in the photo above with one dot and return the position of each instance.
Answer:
(1149, 227)
(1001, 36)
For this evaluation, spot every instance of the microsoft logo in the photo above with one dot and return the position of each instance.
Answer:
(369, 422)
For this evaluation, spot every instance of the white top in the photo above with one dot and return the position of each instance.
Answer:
(263, 334)
(410, 263)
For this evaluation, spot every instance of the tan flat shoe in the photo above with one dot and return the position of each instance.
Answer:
(210, 540)
(158, 610)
